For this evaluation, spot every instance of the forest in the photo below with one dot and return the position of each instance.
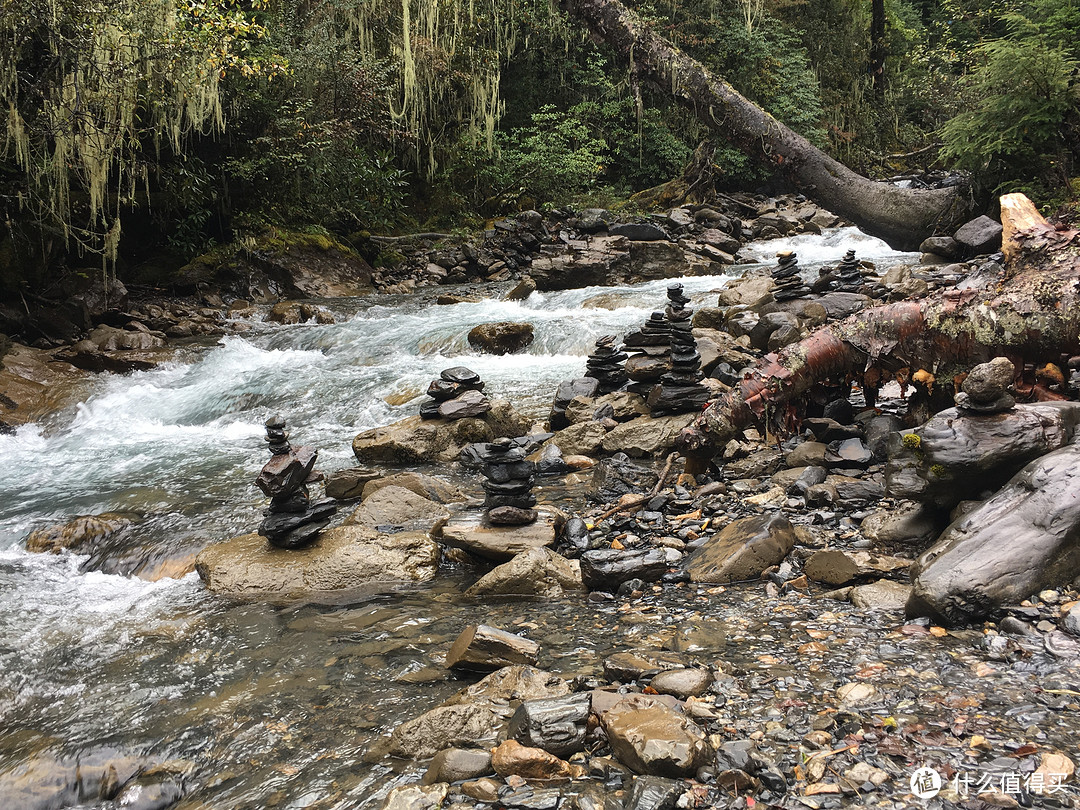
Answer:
(140, 134)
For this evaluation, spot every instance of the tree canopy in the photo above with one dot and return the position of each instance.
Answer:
(195, 121)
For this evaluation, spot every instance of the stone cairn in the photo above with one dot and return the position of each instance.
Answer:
(680, 390)
(849, 274)
(789, 283)
(649, 348)
(455, 395)
(508, 483)
(986, 388)
(605, 365)
(292, 521)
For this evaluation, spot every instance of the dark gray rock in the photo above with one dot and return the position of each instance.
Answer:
(1022, 540)
(617, 476)
(944, 246)
(557, 725)
(954, 457)
(980, 235)
(457, 764)
(654, 793)
(638, 232)
(607, 568)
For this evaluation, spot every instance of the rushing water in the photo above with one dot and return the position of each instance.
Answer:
(271, 705)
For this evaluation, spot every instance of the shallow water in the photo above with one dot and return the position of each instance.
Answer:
(277, 705)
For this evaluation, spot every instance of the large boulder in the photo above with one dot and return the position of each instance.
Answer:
(598, 261)
(472, 532)
(536, 572)
(504, 337)
(742, 550)
(651, 738)
(397, 506)
(34, 385)
(415, 441)
(343, 557)
(581, 439)
(956, 457)
(646, 436)
(1024, 539)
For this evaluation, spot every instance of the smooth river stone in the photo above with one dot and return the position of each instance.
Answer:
(472, 532)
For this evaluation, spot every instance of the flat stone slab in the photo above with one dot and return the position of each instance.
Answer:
(343, 557)
(471, 532)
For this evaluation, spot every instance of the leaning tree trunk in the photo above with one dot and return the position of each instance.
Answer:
(1029, 312)
(902, 217)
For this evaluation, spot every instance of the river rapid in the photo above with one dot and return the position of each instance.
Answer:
(262, 705)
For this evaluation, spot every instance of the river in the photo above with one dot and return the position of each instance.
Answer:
(277, 705)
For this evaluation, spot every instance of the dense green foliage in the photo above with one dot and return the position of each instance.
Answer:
(196, 121)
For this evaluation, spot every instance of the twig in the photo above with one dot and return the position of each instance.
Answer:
(638, 501)
(410, 237)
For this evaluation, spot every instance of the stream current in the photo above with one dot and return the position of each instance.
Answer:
(278, 705)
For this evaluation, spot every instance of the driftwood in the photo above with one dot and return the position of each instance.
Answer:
(902, 217)
(1028, 311)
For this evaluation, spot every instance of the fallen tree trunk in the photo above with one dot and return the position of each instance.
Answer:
(902, 217)
(1028, 312)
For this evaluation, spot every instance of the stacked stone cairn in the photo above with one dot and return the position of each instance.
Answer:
(849, 274)
(292, 521)
(680, 389)
(789, 283)
(455, 395)
(985, 390)
(605, 365)
(508, 483)
(650, 349)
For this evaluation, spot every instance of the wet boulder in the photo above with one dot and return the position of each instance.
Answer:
(511, 758)
(646, 436)
(46, 783)
(1024, 539)
(415, 797)
(458, 764)
(742, 550)
(617, 476)
(504, 337)
(651, 738)
(557, 725)
(472, 532)
(343, 557)
(348, 484)
(414, 440)
(464, 725)
(955, 457)
(980, 235)
(80, 534)
(536, 572)
(480, 648)
(397, 507)
(606, 569)
(427, 486)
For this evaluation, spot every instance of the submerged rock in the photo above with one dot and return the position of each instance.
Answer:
(79, 534)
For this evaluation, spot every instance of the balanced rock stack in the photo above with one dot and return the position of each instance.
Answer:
(849, 274)
(605, 365)
(789, 283)
(680, 390)
(455, 395)
(986, 388)
(292, 520)
(650, 347)
(508, 484)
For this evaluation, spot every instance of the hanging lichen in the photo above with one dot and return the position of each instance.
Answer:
(449, 56)
(88, 85)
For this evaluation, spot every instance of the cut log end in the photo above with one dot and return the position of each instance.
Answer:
(1018, 215)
